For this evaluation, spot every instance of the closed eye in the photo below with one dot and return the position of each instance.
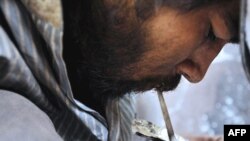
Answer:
(210, 34)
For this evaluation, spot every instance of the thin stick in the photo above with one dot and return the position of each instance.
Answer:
(166, 116)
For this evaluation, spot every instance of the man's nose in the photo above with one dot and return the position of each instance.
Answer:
(195, 67)
(192, 71)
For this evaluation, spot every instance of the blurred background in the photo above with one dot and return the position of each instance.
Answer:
(222, 97)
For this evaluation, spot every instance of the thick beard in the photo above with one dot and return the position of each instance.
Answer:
(95, 88)
(100, 72)
(103, 87)
(163, 84)
(95, 52)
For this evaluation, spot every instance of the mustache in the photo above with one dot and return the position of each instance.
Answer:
(161, 84)
(170, 83)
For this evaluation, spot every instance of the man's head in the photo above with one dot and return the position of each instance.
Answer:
(137, 45)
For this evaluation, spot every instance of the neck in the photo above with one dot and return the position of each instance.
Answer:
(73, 53)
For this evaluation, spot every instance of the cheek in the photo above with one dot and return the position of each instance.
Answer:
(167, 48)
(169, 39)
(162, 60)
(173, 38)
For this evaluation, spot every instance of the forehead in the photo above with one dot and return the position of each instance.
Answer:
(224, 19)
(148, 7)
(227, 11)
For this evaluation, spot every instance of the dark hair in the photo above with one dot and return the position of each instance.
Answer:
(145, 8)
